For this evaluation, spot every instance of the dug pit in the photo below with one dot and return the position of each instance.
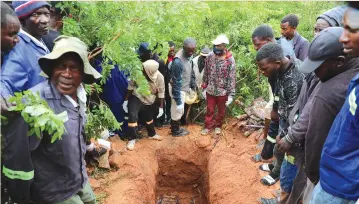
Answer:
(181, 180)
(185, 170)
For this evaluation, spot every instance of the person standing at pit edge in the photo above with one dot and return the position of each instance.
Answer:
(181, 81)
(136, 102)
(168, 62)
(20, 70)
(271, 62)
(36, 169)
(262, 35)
(339, 169)
(289, 32)
(219, 83)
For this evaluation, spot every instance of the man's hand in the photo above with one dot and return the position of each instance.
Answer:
(283, 144)
(274, 116)
(4, 105)
(160, 112)
(229, 100)
(124, 106)
(180, 108)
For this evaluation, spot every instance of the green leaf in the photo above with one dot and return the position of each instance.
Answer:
(39, 110)
(31, 132)
(29, 109)
(37, 132)
(43, 119)
(63, 116)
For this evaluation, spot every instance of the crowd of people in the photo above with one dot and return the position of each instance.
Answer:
(312, 118)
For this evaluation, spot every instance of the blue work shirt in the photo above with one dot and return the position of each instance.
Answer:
(20, 69)
(114, 92)
(339, 165)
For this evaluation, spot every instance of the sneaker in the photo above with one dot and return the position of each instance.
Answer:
(217, 131)
(205, 131)
(156, 137)
(131, 145)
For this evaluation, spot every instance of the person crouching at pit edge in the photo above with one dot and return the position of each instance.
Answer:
(136, 102)
(35, 169)
(219, 83)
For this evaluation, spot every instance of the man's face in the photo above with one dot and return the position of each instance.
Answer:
(329, 68)
(171, 52)
(268, 68)
(287, 31)
(320, 25)
(9, 32)
(37, 24)
(259, 42)
(350, 36)
(67, 73)
(189, 50)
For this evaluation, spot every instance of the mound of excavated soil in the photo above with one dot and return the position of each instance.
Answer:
(192, 169)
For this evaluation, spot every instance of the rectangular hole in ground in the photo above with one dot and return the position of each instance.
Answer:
(181, 182)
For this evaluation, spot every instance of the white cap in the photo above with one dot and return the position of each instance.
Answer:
(222, 39)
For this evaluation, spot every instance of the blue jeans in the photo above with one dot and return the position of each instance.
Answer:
(288, 172)
(322, 197)
(273, 129)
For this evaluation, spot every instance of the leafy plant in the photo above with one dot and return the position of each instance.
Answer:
(38, 115)
(98, 119)
(117, 28)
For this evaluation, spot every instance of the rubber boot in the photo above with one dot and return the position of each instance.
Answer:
(176, 130)
(132, 133)
(150, 130)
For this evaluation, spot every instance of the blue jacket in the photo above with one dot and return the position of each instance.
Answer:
(115, 88)
(339, 166)
(20, 70)
(114, 92)
(176, 80)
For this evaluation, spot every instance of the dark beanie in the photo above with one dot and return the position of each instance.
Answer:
(24, 9)
(334, 16)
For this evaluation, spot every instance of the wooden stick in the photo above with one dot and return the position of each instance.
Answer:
(205, 108)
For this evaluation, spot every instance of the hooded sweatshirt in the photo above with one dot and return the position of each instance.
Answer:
(156, 83)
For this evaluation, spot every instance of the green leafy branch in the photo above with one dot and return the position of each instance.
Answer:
(98, 119)
(38, 115)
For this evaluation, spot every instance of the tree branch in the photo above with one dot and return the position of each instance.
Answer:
(100, 49)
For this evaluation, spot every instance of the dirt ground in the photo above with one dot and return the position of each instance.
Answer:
(193, 169)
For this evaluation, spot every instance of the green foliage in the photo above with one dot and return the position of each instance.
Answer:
(38, 115)
(98, 119)
(119, 27)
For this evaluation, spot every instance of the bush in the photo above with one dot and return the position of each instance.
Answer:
(119, 27)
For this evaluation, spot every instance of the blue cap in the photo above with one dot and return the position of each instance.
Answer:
(143, 49)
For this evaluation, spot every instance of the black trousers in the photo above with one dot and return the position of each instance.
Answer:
(136, 107)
